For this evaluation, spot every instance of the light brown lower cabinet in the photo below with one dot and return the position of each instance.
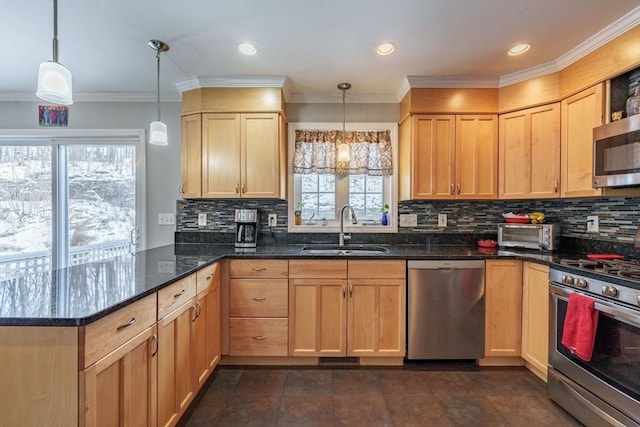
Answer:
(206, 328)
(535, 318)
(503, 307)
(120, 389)
(353, 309)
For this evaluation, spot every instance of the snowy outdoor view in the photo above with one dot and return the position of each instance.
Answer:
(318, 196)
(100, 185)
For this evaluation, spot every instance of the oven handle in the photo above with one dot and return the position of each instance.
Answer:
(586, 402)
(614, 310)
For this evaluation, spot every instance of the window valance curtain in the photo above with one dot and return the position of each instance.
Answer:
(315, 151)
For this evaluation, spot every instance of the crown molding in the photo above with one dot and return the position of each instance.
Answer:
(594, 42)
(197, 82)
(452, 82)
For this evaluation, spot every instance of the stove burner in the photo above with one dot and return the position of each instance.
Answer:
(622, 268)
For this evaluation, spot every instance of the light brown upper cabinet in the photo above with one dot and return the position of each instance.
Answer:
(529, 153)
(233, 143)
(449, 157)
(580, 114)
(191, 156)
(240, 155)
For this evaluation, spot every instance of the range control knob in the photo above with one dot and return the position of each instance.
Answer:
(582, 283)
(610, 291)
(568, 280)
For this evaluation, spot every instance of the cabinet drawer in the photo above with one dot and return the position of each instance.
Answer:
(258, 297)
(105, 335)
(378, 269)
(258, 337)
(318, 269)
(259, 268)
(176, 294)
(206, 277)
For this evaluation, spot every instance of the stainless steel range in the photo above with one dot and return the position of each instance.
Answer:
(606, 389)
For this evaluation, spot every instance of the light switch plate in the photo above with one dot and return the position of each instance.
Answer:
(166, 219)
(442, 220)
(273, 220)
(202, 220)
(408, 220)
(166, 267)
(593, 224)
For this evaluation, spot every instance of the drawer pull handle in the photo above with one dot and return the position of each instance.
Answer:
(179, 294)
(208, 277)
(126, 325)
(259, 268)
(259, 337)
(155, 340)
(259, 299)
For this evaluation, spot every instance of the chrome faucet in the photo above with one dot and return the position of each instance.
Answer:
(354, 220)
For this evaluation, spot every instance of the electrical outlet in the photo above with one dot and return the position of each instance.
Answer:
(202, 220)
(442, 220)
(408, 220)
(593, 224)
(166, 219)
(273, 220)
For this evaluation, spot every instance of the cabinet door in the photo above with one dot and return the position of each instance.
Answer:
(221, 155)
(432, 171)
(580, 114)
(260, 155)
(317, 317)
(535, 317)
(503, 307)
(476, 157)
(529, 159)
(191, 156)
(206, 334)
(120, 388)
(175, 378)
(376, 317)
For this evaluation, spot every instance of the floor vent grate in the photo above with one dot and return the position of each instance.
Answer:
(338, 361)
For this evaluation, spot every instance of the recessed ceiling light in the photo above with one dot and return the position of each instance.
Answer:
(386, 48)
(247, 49)
(519, 49)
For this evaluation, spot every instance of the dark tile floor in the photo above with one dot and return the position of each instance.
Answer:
(414, 395)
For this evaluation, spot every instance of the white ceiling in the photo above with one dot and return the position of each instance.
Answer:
(312, 45)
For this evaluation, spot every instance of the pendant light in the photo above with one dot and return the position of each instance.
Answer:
(157, 129)
(344, 153)
(54, 79)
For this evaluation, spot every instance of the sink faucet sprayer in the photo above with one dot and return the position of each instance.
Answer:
(354, 220)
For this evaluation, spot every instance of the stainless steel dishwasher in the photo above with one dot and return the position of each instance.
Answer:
(445, 314)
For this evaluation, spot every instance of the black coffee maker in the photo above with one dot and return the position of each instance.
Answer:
(246, 228)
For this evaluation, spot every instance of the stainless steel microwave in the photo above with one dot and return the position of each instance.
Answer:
(529, 236)
(616, 153)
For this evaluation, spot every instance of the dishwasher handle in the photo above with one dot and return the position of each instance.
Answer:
(445, 264)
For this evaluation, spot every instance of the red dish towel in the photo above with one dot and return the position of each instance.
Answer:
(579, 331)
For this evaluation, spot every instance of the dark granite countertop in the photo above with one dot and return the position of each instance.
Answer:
(81, 294)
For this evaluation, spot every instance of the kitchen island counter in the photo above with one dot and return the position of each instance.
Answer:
(81, 294)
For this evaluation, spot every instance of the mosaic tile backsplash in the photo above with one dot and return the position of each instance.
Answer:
(619, 217)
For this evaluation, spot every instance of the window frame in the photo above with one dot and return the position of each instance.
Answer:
(57, 139)
(342, 190)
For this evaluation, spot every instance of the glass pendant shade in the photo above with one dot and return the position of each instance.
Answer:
(344, 154)
(158, 133)
(54, 83)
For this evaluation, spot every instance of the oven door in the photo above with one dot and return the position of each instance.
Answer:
(613, 373)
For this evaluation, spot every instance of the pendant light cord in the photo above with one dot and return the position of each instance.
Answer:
(55, 30)
(344, 116)
(158, 83)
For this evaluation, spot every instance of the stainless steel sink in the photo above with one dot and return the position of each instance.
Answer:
(344, 250)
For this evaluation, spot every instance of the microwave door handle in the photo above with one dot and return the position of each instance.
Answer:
(239, 236)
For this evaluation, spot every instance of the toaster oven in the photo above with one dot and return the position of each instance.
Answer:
(529, 236)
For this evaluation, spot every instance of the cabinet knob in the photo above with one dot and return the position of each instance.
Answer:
(452, 189)
(237, 192)
(458, 190)
(242, 188)
(555, 185)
